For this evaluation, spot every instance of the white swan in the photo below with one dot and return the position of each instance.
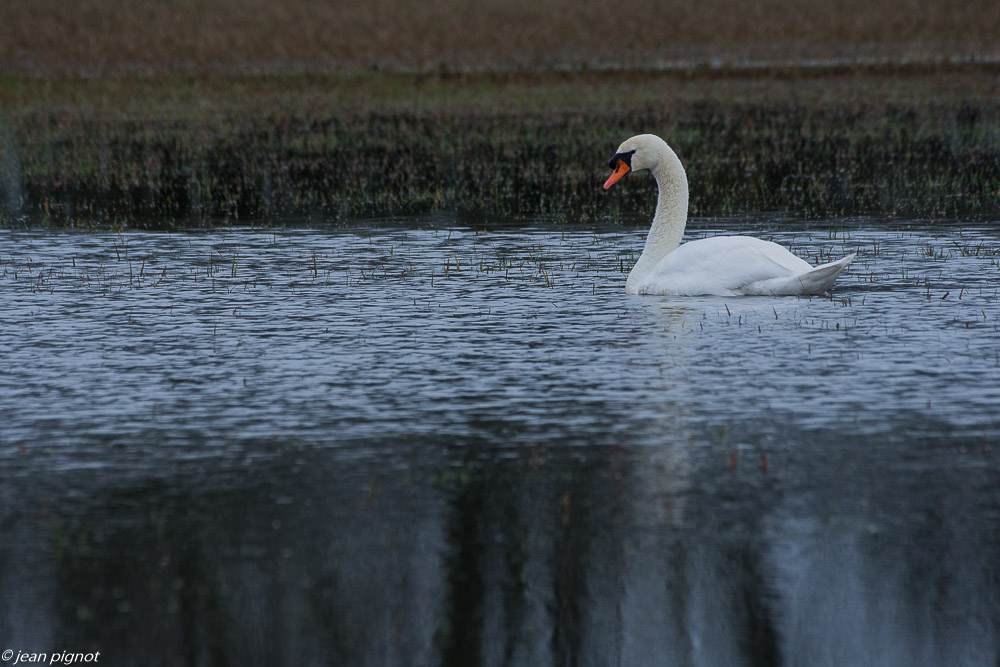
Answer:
(721, 265)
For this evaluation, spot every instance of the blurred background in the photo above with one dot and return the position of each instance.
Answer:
(144, 113)
(114, 37)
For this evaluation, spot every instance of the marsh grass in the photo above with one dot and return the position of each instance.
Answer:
(907, 161)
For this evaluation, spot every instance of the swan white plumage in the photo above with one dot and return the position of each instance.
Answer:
(720, 265)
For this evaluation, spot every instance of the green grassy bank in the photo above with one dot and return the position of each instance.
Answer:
(177, 150)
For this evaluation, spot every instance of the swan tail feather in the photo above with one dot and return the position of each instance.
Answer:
(821, 278)
(815, 281)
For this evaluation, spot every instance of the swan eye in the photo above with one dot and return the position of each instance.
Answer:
(625, 157)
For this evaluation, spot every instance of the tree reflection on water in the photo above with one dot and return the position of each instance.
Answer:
(828, 552)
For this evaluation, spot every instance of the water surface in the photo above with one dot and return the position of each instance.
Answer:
(427, 443)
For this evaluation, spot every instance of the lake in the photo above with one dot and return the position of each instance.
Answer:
(433, 442)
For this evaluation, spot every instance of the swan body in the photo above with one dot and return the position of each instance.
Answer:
(721, 265)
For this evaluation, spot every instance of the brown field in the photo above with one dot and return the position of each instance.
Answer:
(238, 99)
(114, 37)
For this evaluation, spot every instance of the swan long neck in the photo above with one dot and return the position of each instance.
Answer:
(671, 213)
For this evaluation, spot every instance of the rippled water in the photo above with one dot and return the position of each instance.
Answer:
(432, 444)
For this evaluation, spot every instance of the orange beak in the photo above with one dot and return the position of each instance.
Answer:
(620, 170)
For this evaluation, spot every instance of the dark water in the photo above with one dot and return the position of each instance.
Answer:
(436, 446)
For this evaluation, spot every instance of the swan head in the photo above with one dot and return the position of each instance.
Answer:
(639, 152)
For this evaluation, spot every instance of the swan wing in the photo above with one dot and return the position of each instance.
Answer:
(814, 281)
(725, 266)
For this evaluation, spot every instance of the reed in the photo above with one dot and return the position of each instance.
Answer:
(178, 150)
(815, 163)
